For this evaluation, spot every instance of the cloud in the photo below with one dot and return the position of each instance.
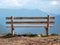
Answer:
(29, 4)
(16, 3)
(44, 5)
(11, 3)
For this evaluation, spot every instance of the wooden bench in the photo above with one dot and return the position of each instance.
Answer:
(47, 20)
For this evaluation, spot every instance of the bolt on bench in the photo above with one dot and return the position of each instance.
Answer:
(48, 20)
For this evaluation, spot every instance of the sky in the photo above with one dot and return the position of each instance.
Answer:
(48, 6)
(44, 5)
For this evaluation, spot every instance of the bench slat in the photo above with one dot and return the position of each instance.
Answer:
(28, 26)
(30, 17)
(43, 22)
(13, 21)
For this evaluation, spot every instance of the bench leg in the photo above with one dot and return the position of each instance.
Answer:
(46, 31)
(12, 31)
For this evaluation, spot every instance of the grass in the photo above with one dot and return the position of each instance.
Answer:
(19, 35)
(54, 34)
(28, 35)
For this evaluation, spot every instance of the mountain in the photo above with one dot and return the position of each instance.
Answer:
(21, 12)
(3, 29)
(25, 12)
(57, 24)
(56, 28)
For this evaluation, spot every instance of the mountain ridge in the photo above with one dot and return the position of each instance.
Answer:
(24, 12)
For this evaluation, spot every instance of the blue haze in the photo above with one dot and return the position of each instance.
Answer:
(26, 12)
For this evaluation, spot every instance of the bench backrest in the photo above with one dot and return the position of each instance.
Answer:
(48, 20)
(44, 20)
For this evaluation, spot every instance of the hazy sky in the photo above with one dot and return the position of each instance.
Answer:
(50, 6)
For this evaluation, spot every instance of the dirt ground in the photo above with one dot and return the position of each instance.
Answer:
(50, 40)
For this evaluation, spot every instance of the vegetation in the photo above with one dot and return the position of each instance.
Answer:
(28, 35)
(54, 34)
(18, 35)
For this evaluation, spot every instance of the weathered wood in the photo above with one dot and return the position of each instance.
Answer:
(43, 22)
(47, 28)
(50, 20)
(28, 26)
(12, 27)
(29, 18)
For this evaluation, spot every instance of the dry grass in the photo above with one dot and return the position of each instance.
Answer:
(27, 40)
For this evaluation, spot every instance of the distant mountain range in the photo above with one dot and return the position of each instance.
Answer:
(25, 12)
(22, 12)
(3, 29)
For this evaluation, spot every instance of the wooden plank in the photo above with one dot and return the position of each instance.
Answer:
(43, 22)
(28, 26)
(48, 21)
(12, 28)
(47, 28)
(51, 17)
(30, 18)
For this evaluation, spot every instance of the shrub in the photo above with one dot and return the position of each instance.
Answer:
(54, 34)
